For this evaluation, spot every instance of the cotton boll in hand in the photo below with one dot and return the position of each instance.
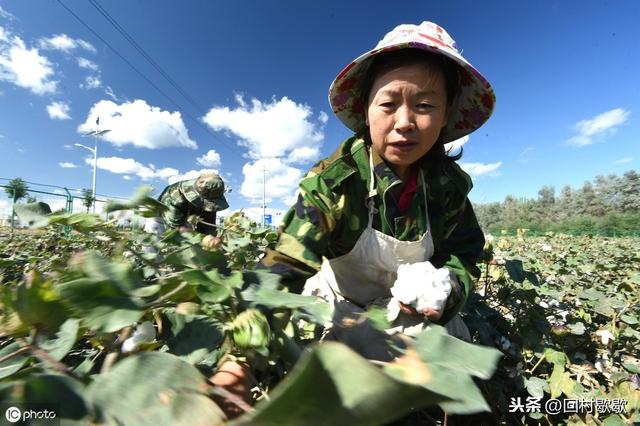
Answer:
(435, 291)
(422, 286)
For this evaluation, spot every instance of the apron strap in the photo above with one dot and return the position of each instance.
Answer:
(426, 206)
(372, 191)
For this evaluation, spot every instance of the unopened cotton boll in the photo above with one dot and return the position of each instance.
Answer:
(144, 333)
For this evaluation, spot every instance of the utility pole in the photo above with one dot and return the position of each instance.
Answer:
(94, 150)
(264, 192)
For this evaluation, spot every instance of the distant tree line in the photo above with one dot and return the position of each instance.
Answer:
(608, 204)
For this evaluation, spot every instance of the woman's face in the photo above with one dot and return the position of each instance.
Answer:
(407, 109)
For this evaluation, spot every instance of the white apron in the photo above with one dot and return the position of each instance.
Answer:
(364, 277)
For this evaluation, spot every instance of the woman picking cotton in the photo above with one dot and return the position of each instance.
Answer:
(385, 219)
(390, 196)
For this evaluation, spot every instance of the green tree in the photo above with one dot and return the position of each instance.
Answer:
(16, 189)
(630, 189)
(87, 198)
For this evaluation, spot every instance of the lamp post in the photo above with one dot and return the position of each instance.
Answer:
(95, 133)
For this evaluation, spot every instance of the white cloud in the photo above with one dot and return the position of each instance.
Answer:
(270, 130)
(129, 166)
(109, 92)
(87, 63)
(524, 155)
(59, 111)
(600, 125)
(24, 67)
(191, 174)
(91, 82)
(67, 165)
(623, 160)
(480, 169)
(303, 155)
(6, 15)
(65, 43)
(210, 159)
(454, 146)
(138, 124)
(281, 181)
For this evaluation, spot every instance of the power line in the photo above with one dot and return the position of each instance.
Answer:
(144, 54)
(230, 147)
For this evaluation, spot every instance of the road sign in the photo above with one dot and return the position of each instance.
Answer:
(267, 219)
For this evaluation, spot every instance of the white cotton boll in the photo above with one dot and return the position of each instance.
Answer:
(144, 333)
(422, 286)
(436, 291)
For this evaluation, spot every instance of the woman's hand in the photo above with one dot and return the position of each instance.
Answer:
(431, 313)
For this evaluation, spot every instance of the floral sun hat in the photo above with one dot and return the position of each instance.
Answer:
(472, 108)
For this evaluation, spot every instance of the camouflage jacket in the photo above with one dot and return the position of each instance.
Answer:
(180, 208)
(331, 213)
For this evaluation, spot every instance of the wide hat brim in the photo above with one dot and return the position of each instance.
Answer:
(472, 108)
(188, 189)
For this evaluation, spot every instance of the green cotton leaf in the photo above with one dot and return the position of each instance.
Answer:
(207, 289)
(234, 242)
(449, 365)
(59, 347)
(555, 357)
(153, 388)
(38, 303)
(591, 294)
(536, 387)
(6, 263)
(81, 222)
(577, 328)
(195, 257)
(318, 309)
(102, 305)
(629, 319)
(13, 364)
(193, 337)
(328, 384)
(632, 368)
(148, 206)
(99, 268)
(262, 279)
(560, 382)
(437, 347)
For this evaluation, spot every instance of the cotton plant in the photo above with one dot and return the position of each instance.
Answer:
(420, 285)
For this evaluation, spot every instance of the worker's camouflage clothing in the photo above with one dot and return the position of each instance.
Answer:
(331, 213)
(182, 201)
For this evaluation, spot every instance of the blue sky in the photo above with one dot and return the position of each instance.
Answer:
(249, 82)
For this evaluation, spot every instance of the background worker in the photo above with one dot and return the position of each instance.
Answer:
(203, 197)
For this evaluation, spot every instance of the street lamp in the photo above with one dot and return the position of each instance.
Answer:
(95, 133)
